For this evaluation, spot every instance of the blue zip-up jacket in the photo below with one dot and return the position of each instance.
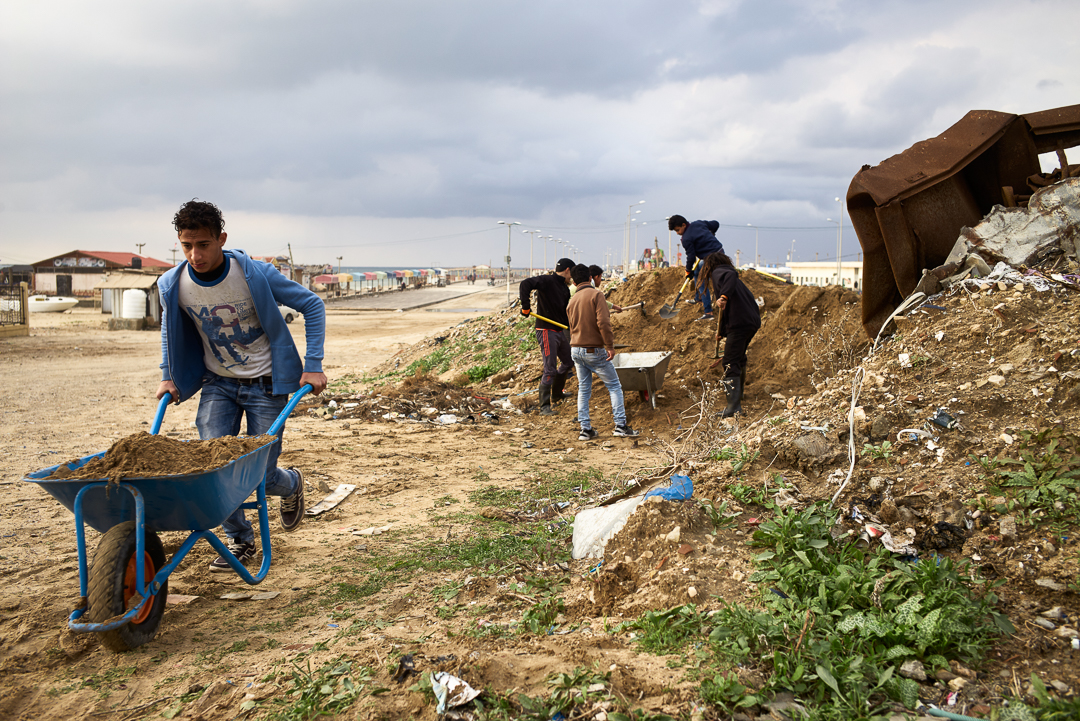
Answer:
(181, 344)
(699, 242)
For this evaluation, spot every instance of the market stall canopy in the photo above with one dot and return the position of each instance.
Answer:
(380, 274)
(344, 277)
(372, 276)
(326, 279)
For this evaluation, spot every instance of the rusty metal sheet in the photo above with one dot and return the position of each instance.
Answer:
(930, 161)
(909, 209)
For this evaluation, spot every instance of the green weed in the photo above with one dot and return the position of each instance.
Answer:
(1048, 477)
(718, 515)
(878, 452)
(327, 691)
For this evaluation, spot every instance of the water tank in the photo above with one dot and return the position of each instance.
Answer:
(134, 304)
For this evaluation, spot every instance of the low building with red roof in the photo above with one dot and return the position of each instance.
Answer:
(76, 273)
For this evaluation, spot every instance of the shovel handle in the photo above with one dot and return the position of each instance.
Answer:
(548, 320)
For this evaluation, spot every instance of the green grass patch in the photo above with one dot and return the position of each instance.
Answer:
(326, 691)
(834, 623)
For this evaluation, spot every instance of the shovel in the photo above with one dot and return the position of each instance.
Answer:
(669, 311)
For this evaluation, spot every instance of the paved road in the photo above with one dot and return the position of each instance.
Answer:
(463, 294)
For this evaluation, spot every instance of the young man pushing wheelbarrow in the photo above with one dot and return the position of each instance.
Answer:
(222, 333)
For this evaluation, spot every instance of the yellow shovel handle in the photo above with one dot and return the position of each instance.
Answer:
(696, 264)
(548, 320)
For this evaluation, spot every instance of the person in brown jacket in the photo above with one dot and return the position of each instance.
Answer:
(592, 346)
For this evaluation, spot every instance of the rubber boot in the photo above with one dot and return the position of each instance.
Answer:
(733, 388)
(557, 385)
(545, 401)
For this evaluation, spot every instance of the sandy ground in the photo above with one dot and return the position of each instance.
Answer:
(73, 387)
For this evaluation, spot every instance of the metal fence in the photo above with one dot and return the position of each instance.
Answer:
(13, 310)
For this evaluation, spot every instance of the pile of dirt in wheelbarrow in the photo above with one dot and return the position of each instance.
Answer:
(142, 455)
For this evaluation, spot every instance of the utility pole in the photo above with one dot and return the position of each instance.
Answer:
(292, 265)
(339, 264)
(140, 247)
(174, 254)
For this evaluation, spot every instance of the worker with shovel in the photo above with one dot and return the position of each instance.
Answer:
(740, 319)
(699, 241)
(552, 295)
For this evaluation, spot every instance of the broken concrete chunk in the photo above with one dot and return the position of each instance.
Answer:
(996, 380)
(913, 669)
(674, 535)
(1007, 529)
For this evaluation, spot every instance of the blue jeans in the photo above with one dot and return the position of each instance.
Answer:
(702, 294)
(597, 362)
(221, 407)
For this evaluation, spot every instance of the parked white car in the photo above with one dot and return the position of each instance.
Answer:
(288, 313)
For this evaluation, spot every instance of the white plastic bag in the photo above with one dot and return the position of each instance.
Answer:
(593, 527)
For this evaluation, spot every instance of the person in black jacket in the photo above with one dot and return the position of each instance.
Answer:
(699, 241)
(552, 295)
(739, 321)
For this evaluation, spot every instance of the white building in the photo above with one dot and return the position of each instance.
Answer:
(824, 273)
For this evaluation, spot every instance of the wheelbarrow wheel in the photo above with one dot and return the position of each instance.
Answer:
(113, 587)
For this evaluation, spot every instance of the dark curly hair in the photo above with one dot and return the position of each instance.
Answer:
(199, 215)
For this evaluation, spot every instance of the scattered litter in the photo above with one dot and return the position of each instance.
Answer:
(265, 595)
(943, 419)
(373, 531)
(593, 527)
(236, 596)
(340, 494)
(406, 667)
(681, 489)
(914, 433)
(447, 419)
(177, 599)
(451, 691)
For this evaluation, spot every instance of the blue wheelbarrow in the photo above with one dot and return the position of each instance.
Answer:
(123, 592)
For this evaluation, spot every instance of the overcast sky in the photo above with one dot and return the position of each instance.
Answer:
(399, 133)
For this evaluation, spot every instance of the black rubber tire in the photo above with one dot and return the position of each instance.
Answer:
(288, 318)
(107, 591)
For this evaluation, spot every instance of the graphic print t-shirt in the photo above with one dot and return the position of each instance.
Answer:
(234, 342)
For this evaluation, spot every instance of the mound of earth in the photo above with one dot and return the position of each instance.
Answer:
(667, 554)
(806, 332)
(142, 455)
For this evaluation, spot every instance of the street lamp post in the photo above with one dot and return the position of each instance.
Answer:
(509, 228)
(839, 237)
(636, 226)
(757, 261)
(839, 280)
(532, 236)
(791, 253)
(626, 243)
(668, 259)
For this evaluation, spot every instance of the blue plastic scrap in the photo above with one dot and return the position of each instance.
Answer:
(681, 489)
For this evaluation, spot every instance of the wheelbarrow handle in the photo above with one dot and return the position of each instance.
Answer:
(275, 429)
(162, 405)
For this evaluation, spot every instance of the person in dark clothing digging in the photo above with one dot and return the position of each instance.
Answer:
(552, 296)
(699, 241)
(740, 319)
